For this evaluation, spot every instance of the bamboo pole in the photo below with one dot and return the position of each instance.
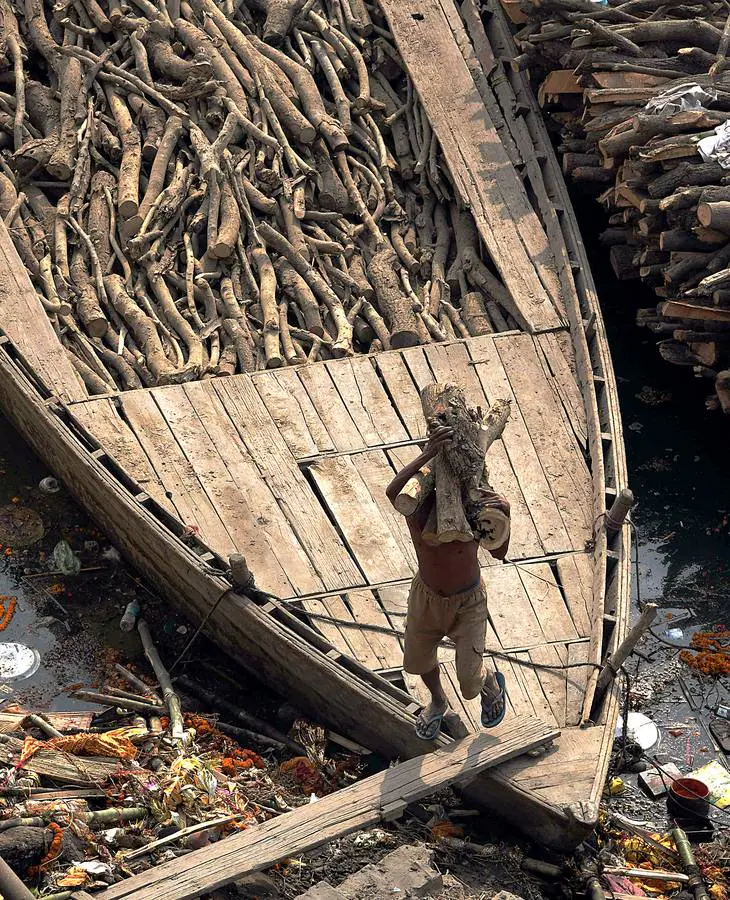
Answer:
(612, 667)
(171, 699)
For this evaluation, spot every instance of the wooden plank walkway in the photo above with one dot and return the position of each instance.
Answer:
(290, 467)
(361, 805)
(435, 49)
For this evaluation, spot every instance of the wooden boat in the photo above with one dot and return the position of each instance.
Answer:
(289, 466)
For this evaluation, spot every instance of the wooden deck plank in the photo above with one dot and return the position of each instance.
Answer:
(402, 389)
(576, 576)
(350, 640)
(394, 601)
(304, 415)
(417, 365)
(365, 530)
(286, 412)
(547, 602)
(481, 170)
(178, 476)
(564, 774)
(313, 529)
(559, 359)
(366, 610)
(451, 363)
(232, 479)
(521, 451)
(510, 610)
(101, 418)
(553, 682)
(576, 683)
(534, 689)
(348, 387)
(377, 473)
(330, 407)
(335, 634)
(27, 325)
(518, 697)
(359, 806)
(566, 469)
(367, 402)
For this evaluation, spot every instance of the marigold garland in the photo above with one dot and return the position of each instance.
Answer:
(53, 851)
(711, 656)
(6, 612)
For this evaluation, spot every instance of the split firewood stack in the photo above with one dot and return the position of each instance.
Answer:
(457, 479)
(635, 87)
(200, 188)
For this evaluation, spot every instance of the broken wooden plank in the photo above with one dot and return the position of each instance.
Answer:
(67, 768)
(359, 806)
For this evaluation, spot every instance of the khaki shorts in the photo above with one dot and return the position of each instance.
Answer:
(461, 617)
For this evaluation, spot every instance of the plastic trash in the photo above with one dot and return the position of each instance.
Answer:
(674, 634)
(49, 485)
(129, 619)
(723, 712)
(680, 99)
(18, 661)
(641, 729)
(716, 147)
(65, 559)
(112, 556)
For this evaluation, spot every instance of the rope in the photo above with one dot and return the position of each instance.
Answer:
(202, 625)
(497, 654)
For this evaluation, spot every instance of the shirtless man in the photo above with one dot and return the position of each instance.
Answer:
(448, 598)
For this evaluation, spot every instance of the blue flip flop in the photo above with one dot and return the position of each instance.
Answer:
(428, 729)
(491, 723)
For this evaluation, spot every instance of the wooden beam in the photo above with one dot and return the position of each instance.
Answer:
(361, 805)
(431, 43)
(675, 309)
(26, 324)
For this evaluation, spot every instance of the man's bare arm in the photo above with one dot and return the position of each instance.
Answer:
(435, 442)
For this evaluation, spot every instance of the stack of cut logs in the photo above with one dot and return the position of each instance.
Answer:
(454, 487)
(639, 84)
(203, 187)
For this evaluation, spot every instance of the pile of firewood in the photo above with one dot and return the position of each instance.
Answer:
(454, 487)
(637, 85)
(200, 188)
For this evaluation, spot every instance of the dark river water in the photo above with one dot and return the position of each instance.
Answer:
(678, 453)
(679, 471)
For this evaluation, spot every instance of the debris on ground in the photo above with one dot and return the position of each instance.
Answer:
(88, 799)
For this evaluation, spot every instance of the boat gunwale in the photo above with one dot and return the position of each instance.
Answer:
(615, 476)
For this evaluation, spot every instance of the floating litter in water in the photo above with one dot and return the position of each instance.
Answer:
(65, 559)
(674, 634)
(641, 729)
(49, 485)
(18, 661)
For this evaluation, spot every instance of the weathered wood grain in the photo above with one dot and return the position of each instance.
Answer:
(359, 806)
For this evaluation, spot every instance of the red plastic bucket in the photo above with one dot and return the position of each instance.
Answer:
(689, 797)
